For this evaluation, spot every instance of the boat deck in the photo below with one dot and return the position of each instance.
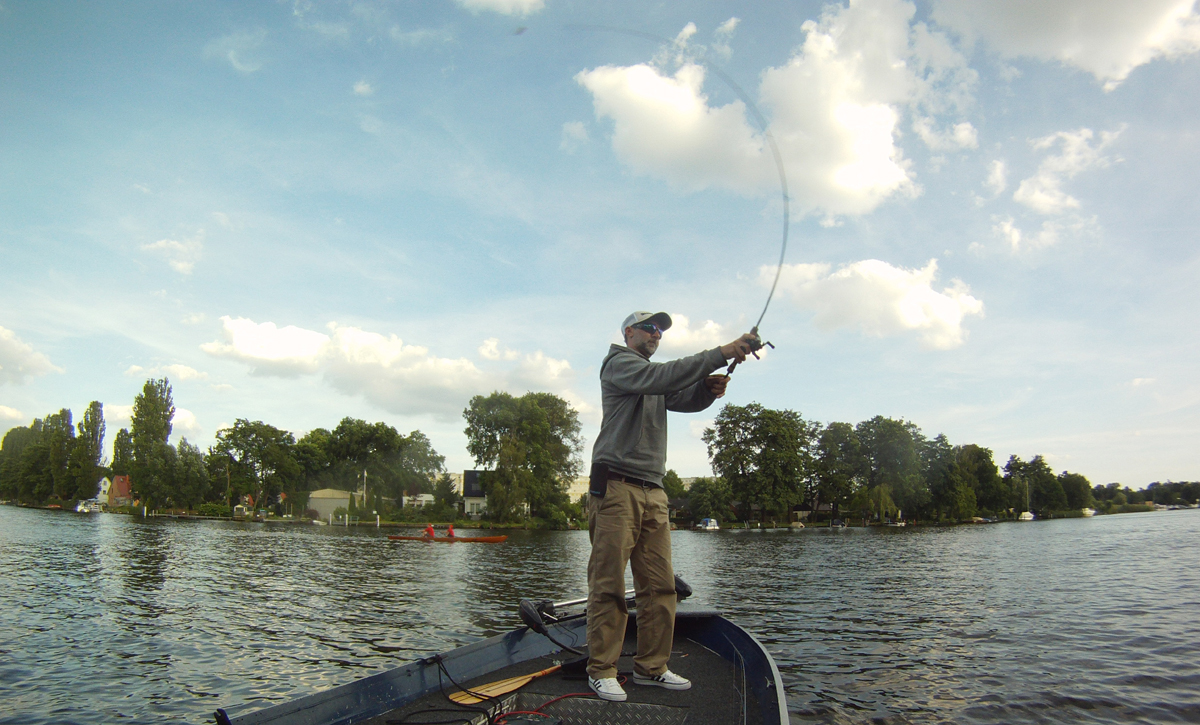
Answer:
(719, 695)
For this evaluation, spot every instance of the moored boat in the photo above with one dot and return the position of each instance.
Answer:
(453, 539)
(708, 525)
(734, 681)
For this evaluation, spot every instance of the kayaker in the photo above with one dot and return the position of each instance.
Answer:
(430, 533)
(627, 508)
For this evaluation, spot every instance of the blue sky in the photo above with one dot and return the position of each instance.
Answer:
(303, 211)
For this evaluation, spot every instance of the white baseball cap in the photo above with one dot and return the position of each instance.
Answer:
(662, 319)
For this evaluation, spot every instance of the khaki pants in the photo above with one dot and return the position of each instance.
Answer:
(630, 525)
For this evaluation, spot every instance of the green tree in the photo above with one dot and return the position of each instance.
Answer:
(673, 485)
(978, 468)
(58, 434)
(122, 463)
(531, 443)
(191, 476)
(765, 455)
(943, 479)
(262, 464)
(892, 449)
(960, 501)
(394, 463)
(153, 471)
(88, 451)
(839, 465)
(12, 448)
(710, 498)
(1045, 493)
(445, 492)
(1077, 490)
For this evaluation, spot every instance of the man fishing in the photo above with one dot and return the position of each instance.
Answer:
(627, 508)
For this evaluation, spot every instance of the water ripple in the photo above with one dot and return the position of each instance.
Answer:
(1092, 621)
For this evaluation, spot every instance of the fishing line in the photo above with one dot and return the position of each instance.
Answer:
(766, 131)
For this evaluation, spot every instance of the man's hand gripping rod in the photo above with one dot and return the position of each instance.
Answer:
(755, 346)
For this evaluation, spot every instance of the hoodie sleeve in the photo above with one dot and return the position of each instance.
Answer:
(690, 400)
(633, 374)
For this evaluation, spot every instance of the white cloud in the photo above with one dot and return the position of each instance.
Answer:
(175, 372)
(182, 256)
(7, 413)
(1043, 192)
(19, 361)
(1139, 382)
(538, 371)
(961, 136)
(696, 428)
(194, 319)
(183, 372)
(880, 299)
(836, 108)
(396, 376)
(1007, 230)
(362, 88)
(682, 339)
(490, 350)
(997, 180)
(1052, 231)
(727, 27)
(504, 7)
(1107, 38)
(721, 38)
(118, 416)
(371, 124)
(237, 49)
(270, 350)
(420, 36)
(184, 423)
(574, 135)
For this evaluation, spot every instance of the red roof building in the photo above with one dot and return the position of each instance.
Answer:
(119, 494)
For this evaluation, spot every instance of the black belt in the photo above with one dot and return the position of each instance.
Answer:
(630, 479)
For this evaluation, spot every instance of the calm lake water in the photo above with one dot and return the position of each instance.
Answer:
(106, 617)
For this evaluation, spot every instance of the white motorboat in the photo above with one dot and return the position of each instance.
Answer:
(708, 525)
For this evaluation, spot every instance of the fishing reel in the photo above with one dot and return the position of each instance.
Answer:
(755, 345)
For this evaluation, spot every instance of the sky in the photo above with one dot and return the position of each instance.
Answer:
(302, 211)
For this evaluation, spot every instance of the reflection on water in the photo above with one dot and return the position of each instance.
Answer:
(110, 617)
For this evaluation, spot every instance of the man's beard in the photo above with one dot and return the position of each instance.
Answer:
(647, 348)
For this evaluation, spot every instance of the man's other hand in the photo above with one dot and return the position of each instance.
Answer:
(741, 347)
(716, 385)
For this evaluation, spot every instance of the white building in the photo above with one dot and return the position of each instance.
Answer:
(327, 500)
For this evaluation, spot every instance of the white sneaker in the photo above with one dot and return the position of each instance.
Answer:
(667, 679)
(607, 688)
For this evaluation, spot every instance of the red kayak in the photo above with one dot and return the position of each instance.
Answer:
(452, 539)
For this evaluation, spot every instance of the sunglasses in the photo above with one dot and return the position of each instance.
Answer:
(649, 327)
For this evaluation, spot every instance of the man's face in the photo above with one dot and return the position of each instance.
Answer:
(643, 337)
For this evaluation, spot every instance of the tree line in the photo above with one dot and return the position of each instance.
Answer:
(773, 461)
(250, 461)
(767, 463)
(529, 444)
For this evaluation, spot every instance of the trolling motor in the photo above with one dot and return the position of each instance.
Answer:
(535, 614)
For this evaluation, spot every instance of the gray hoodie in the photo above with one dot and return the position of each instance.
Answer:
(636, 395)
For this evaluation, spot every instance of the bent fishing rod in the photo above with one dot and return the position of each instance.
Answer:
(758, 343)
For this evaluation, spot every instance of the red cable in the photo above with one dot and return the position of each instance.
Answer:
(563, 697)
(502, 718)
